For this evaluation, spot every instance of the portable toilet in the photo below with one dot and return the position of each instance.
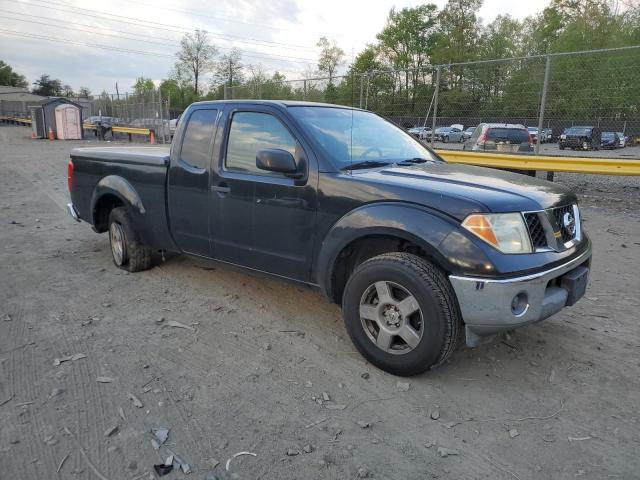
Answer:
(68, 122)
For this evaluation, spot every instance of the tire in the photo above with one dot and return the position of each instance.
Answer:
(561, 147)
(436, 323)
(134, 256)
(445, 139)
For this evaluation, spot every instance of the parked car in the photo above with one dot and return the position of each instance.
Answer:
(622, 138)
(418, 132)
(500, 137)
(610, 140)
(580, 138)
(415, 250)
(547, 135)
(448, 134)
(467, 133)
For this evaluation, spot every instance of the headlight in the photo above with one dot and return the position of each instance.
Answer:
(563, 137)
(505, 231)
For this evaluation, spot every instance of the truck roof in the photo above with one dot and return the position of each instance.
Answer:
(280, 103)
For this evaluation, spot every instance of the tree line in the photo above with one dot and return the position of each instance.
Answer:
(396, 76)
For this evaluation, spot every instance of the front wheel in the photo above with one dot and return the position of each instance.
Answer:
(126, 249)
(445, 139)
(401, 313)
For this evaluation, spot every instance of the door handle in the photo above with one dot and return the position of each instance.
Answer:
(221, 189)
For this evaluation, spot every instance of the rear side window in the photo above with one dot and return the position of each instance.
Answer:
(511, 135)
(251, 132)
(197, 138)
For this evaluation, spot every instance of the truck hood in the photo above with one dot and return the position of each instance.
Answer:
(479, 189)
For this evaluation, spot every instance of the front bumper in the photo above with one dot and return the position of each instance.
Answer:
(488, 306)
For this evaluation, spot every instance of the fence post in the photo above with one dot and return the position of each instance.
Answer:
(362, 75)
(226, 95)
(435, 106)
(543, 103)
(304, 88)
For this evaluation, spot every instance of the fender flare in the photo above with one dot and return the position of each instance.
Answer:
(121, 188)
(426, 228)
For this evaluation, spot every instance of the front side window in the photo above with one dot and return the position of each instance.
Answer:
(197, 138)
(351, 136)
(251, 132)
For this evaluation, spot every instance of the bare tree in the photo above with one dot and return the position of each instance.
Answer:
(331, 57)
(229, 68)
(196, 56)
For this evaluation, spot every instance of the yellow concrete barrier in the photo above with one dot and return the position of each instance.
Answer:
(600, 166)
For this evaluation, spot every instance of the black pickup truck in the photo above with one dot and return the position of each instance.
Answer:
(420, 253)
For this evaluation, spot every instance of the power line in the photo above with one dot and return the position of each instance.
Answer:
(250, 54)
(161, 26)
(84, 44)
(222, 19)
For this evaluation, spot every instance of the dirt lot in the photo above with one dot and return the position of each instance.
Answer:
(559, 400)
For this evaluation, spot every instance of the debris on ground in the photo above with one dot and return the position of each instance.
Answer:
(435, 415)
(68, 358)
(445, 452)
(267, 346)
(6, 317)
(163, 469)
(579, 439)
(105, 379)
(365, 375)
(451, 424)
(292, 452)
(135, 400)
(110, 431)
(64, 459)
(307, 448)
(238, 455)
(513, 433)
(175, 324)
(429, 444)
(335, 406)
(363, 473)
(121, 413)
(160, 320)
(325, 396)
(403, 386)
(363, 424)
(161, 434)
(317, 422)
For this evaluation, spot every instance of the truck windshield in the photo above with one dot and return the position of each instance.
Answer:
(349, 137)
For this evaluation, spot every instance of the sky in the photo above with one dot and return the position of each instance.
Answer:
(65, 38)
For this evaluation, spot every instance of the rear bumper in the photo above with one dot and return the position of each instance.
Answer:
(73, 213)
(489, 306)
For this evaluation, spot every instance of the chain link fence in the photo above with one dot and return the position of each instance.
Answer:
(550, 93)
(143, 110)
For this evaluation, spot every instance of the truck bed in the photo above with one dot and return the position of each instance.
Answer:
(142, 170)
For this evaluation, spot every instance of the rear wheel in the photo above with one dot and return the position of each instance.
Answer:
(401, 313)
(126, 249)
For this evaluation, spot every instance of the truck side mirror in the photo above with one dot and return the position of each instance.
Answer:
(276, 160)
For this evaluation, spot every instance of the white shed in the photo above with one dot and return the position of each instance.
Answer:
(68, 124)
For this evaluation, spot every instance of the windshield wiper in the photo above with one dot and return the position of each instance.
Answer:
(411, 161)
(366, 164)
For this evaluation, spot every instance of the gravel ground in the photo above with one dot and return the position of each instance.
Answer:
(253, 370)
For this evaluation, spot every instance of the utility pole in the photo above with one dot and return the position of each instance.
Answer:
(117, 91)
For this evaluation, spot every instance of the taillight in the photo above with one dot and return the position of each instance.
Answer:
(70, 175)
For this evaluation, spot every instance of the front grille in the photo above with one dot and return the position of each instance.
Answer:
(559, 214)
(536, 230)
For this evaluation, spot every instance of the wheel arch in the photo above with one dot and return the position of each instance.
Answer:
(113, 191)
(374, 229)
